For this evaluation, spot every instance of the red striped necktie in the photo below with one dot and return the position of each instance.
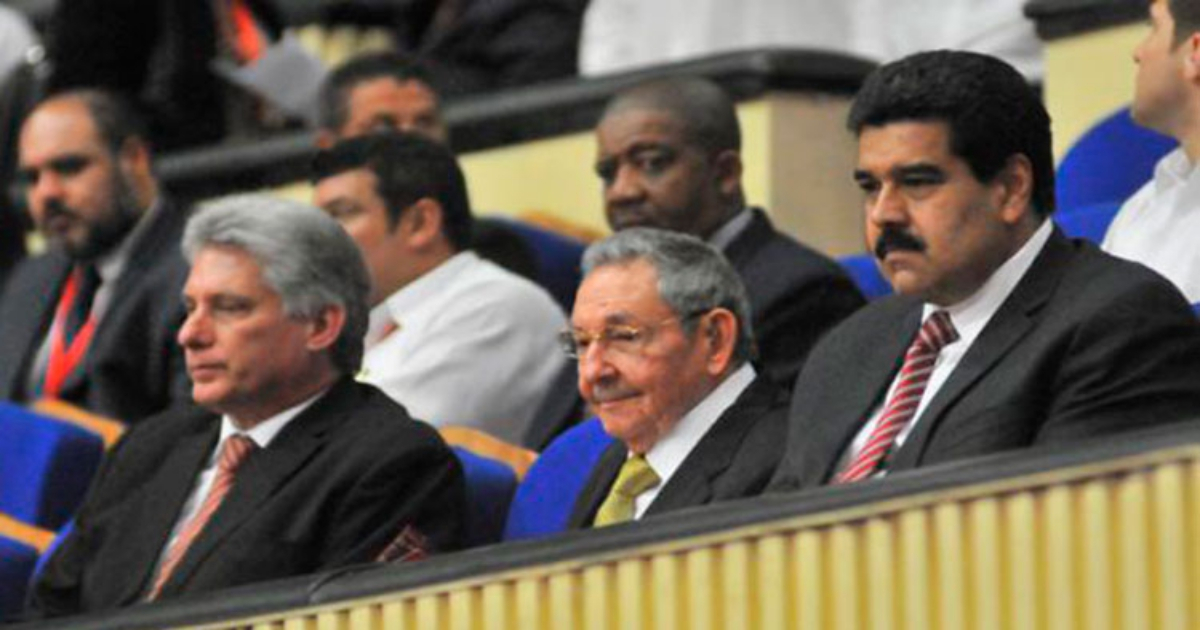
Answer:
(233, 452)
(935, 333)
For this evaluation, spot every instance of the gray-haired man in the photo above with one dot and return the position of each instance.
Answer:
(662, 335)
(289, 466)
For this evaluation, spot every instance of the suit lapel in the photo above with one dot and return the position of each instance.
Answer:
(262, 473)
(26, 333)
(162, 502)
(878, 359)
(597, 487)
(694, 481)
(1011, 322)
(145, 256)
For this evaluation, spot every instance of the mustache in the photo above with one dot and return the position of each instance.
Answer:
(894, 239)
(55, 209)
(603, 392)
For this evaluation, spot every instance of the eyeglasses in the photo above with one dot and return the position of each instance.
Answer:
(627, 339)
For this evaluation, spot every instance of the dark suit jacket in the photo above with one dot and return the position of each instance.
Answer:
(796, 295)
(735, 459)
(134, 367)
(1086, 345)
(334, 487)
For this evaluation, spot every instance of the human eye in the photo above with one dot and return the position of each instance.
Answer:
(606, 170)
(232, 305)
(70, 165)
(623, 338)
(342, 211)
(654, 162)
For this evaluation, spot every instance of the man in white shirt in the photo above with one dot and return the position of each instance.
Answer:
(1003, 334)
(1157, 226)
(456, 339)
(287, 466)
(662, 335)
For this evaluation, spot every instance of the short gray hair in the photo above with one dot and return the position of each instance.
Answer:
(305, 256)
(693, 277)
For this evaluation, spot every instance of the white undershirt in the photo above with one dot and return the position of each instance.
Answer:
(668, 453)
(969, 318)
(262, 434)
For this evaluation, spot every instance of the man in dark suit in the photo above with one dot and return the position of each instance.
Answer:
(93, 320)
(670, 157)
(289, 466)
(661, 333)
(1004, 334)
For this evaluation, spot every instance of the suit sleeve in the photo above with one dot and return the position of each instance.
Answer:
(1134, 364)
(416, 499)
(791, 329)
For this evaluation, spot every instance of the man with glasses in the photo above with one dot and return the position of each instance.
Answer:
(662, 336)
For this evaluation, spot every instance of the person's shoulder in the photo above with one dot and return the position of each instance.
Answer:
(772, 250)
(491, 286)
(378, 422)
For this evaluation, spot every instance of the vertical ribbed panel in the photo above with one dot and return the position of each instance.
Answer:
(1101, 551)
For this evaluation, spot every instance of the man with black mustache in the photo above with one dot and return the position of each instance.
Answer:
(93, 320)
(1003, 334)
(669, 156)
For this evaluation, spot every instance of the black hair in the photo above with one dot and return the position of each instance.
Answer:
(991, 111)
(335, 90)
(706, 112)
(408, 168)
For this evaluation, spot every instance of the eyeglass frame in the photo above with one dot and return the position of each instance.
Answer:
(568, 339)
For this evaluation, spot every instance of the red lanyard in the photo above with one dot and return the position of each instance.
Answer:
(63, 359)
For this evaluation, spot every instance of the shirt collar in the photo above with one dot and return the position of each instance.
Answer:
(112, 263)
(669, 452)
(731, 229)
(970, 315)
(266, 431)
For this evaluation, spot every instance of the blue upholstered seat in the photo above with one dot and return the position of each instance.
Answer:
(1109, 162)
(45, 466)
(866, 275)
(544, 499)
(490, 487)
(1089, 222)
(557, 257)
(17, 560)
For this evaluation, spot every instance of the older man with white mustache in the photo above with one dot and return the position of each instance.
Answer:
(661, 332)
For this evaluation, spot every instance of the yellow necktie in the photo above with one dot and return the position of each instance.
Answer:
(636, 477)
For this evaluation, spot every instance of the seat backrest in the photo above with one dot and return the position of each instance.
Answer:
(45, 466)
(546, 496)
(1109, 162)
(20, 547)
(1089, 222)
(517, 458)
(490, 486)
(866, 275)
(557, 258)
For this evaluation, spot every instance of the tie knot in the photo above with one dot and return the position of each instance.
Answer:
(938, 331)
(636, 477)
(234, 451)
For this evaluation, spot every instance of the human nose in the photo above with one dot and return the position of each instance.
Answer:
(886, 206)
(196, 331)
(593, 364)
(626, 185)
(47, 186)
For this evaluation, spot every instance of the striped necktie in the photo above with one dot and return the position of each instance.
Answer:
(935, 333)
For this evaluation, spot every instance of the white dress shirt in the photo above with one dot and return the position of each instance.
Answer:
(473, 345)
(666, 456)
(1157, 225)
(262, 434)
(969, 318)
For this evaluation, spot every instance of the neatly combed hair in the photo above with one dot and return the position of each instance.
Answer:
(991, 111)
(305, 256)
(706, 112)
(115, 118)
(408, 167)
(1186, 14)
(693, 277)
(333, 103)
